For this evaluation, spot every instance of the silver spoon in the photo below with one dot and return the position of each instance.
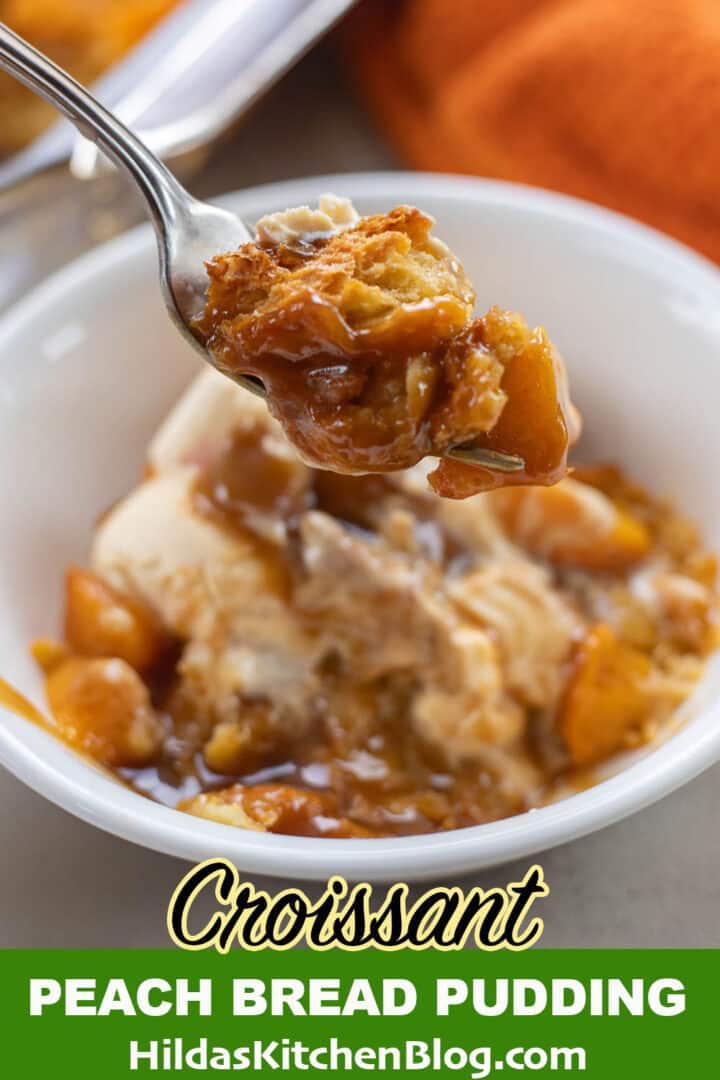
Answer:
(188, 232)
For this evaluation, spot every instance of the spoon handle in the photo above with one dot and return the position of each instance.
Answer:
(161, 191)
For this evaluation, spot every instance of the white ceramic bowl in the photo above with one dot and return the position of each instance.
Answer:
(90, 363)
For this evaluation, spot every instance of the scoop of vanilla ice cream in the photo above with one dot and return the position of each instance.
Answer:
(302, 224)
(210, 409)
(155, 547)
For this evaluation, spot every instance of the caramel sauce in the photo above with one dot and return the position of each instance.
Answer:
(12, 700)
(392, 789)
(15, 702)
(250, 491)
(336, 784)
(246, 483)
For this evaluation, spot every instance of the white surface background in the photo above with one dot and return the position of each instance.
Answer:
(651, 881)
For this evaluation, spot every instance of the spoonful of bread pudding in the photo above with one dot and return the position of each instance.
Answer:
(359, 331)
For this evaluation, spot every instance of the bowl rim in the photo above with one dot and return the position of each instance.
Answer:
(127, 815)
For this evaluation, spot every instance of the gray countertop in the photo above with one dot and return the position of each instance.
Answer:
(653, 880)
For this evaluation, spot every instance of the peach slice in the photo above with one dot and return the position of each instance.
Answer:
(606, 700)
(572, 524)
(102, 707)
(99, 621)
(538, 422)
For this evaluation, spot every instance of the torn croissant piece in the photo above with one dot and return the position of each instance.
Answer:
(362, 332)
(273, 808)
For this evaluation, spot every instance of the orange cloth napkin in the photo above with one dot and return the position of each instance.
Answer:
(617, 101)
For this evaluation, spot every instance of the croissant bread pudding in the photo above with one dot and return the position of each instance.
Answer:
(285, 648)
(362, 331)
